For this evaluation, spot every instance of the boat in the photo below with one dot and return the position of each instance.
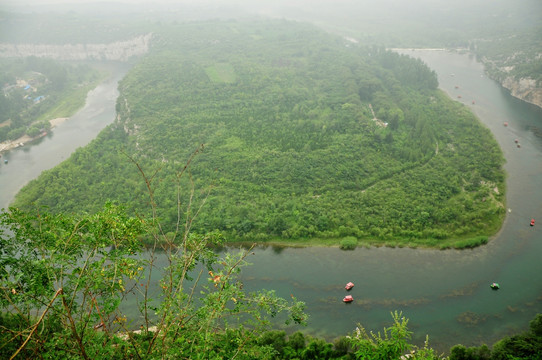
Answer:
(348, 298)
(349, 286)
(532, 222)
(505, 124)
(6, 161)
(495, 286)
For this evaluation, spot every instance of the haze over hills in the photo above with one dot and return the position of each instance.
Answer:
(503, 34)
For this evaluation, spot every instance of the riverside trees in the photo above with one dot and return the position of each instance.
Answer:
(36, 90)
(292, 147)
(75, 287)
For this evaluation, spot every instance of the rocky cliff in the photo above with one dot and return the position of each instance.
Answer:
(525, 89)
(119, 51)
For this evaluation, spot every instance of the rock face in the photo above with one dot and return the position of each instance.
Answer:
(524, 89)
(119, 51)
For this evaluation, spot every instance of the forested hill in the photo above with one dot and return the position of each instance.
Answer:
(292, 149)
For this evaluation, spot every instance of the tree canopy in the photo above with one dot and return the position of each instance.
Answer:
(305, 134)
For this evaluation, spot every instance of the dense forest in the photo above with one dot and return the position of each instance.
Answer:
(305, 135)
(286, 148)
(35, 90)
(78, 287)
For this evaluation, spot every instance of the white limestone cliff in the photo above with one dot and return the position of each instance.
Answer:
(119, 50)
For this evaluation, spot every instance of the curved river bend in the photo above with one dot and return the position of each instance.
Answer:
(26, 163)
(445, 294)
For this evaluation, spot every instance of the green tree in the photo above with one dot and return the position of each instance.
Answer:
(391, 343)
(68, 276)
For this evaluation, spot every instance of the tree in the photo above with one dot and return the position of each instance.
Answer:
(68, 276)
(392, 343)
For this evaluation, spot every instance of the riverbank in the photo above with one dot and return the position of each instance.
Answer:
(428, 244)
(25, 139)
(524, 88)
(433, 287)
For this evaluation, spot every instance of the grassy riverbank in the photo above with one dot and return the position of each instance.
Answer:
(61, 105)
(457, 243)
(71, 100)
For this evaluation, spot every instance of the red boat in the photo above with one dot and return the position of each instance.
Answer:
(505, 124)
(348, 298)
(532, 222)
(349, 286)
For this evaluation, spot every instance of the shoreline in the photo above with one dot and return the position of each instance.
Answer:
(25, 139)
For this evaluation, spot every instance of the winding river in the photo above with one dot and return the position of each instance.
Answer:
(26, 163)
(445, 294)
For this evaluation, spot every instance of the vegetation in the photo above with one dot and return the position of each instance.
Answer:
(516, 55)
(527, 345)
(63, 295)
(305, 135)
(68, 286)
(68, 283)
(37, 90)
(348, 243)
(505, 36)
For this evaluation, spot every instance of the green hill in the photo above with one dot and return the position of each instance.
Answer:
(292, 149)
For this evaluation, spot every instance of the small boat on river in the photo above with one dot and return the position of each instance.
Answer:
(532, 222)
(505, 123)
(495, 286)
(349, 286)
(348, 298)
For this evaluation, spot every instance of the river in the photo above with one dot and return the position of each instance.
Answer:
(445, 294)
(26, 163)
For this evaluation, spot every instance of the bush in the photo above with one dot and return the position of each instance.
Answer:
(348, 243)
(471, 242)
(33, 131)
(274, 338)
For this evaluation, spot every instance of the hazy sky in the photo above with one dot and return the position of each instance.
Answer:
(364, 16)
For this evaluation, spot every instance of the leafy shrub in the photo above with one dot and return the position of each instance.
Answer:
(471, 242)
(348, 243)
